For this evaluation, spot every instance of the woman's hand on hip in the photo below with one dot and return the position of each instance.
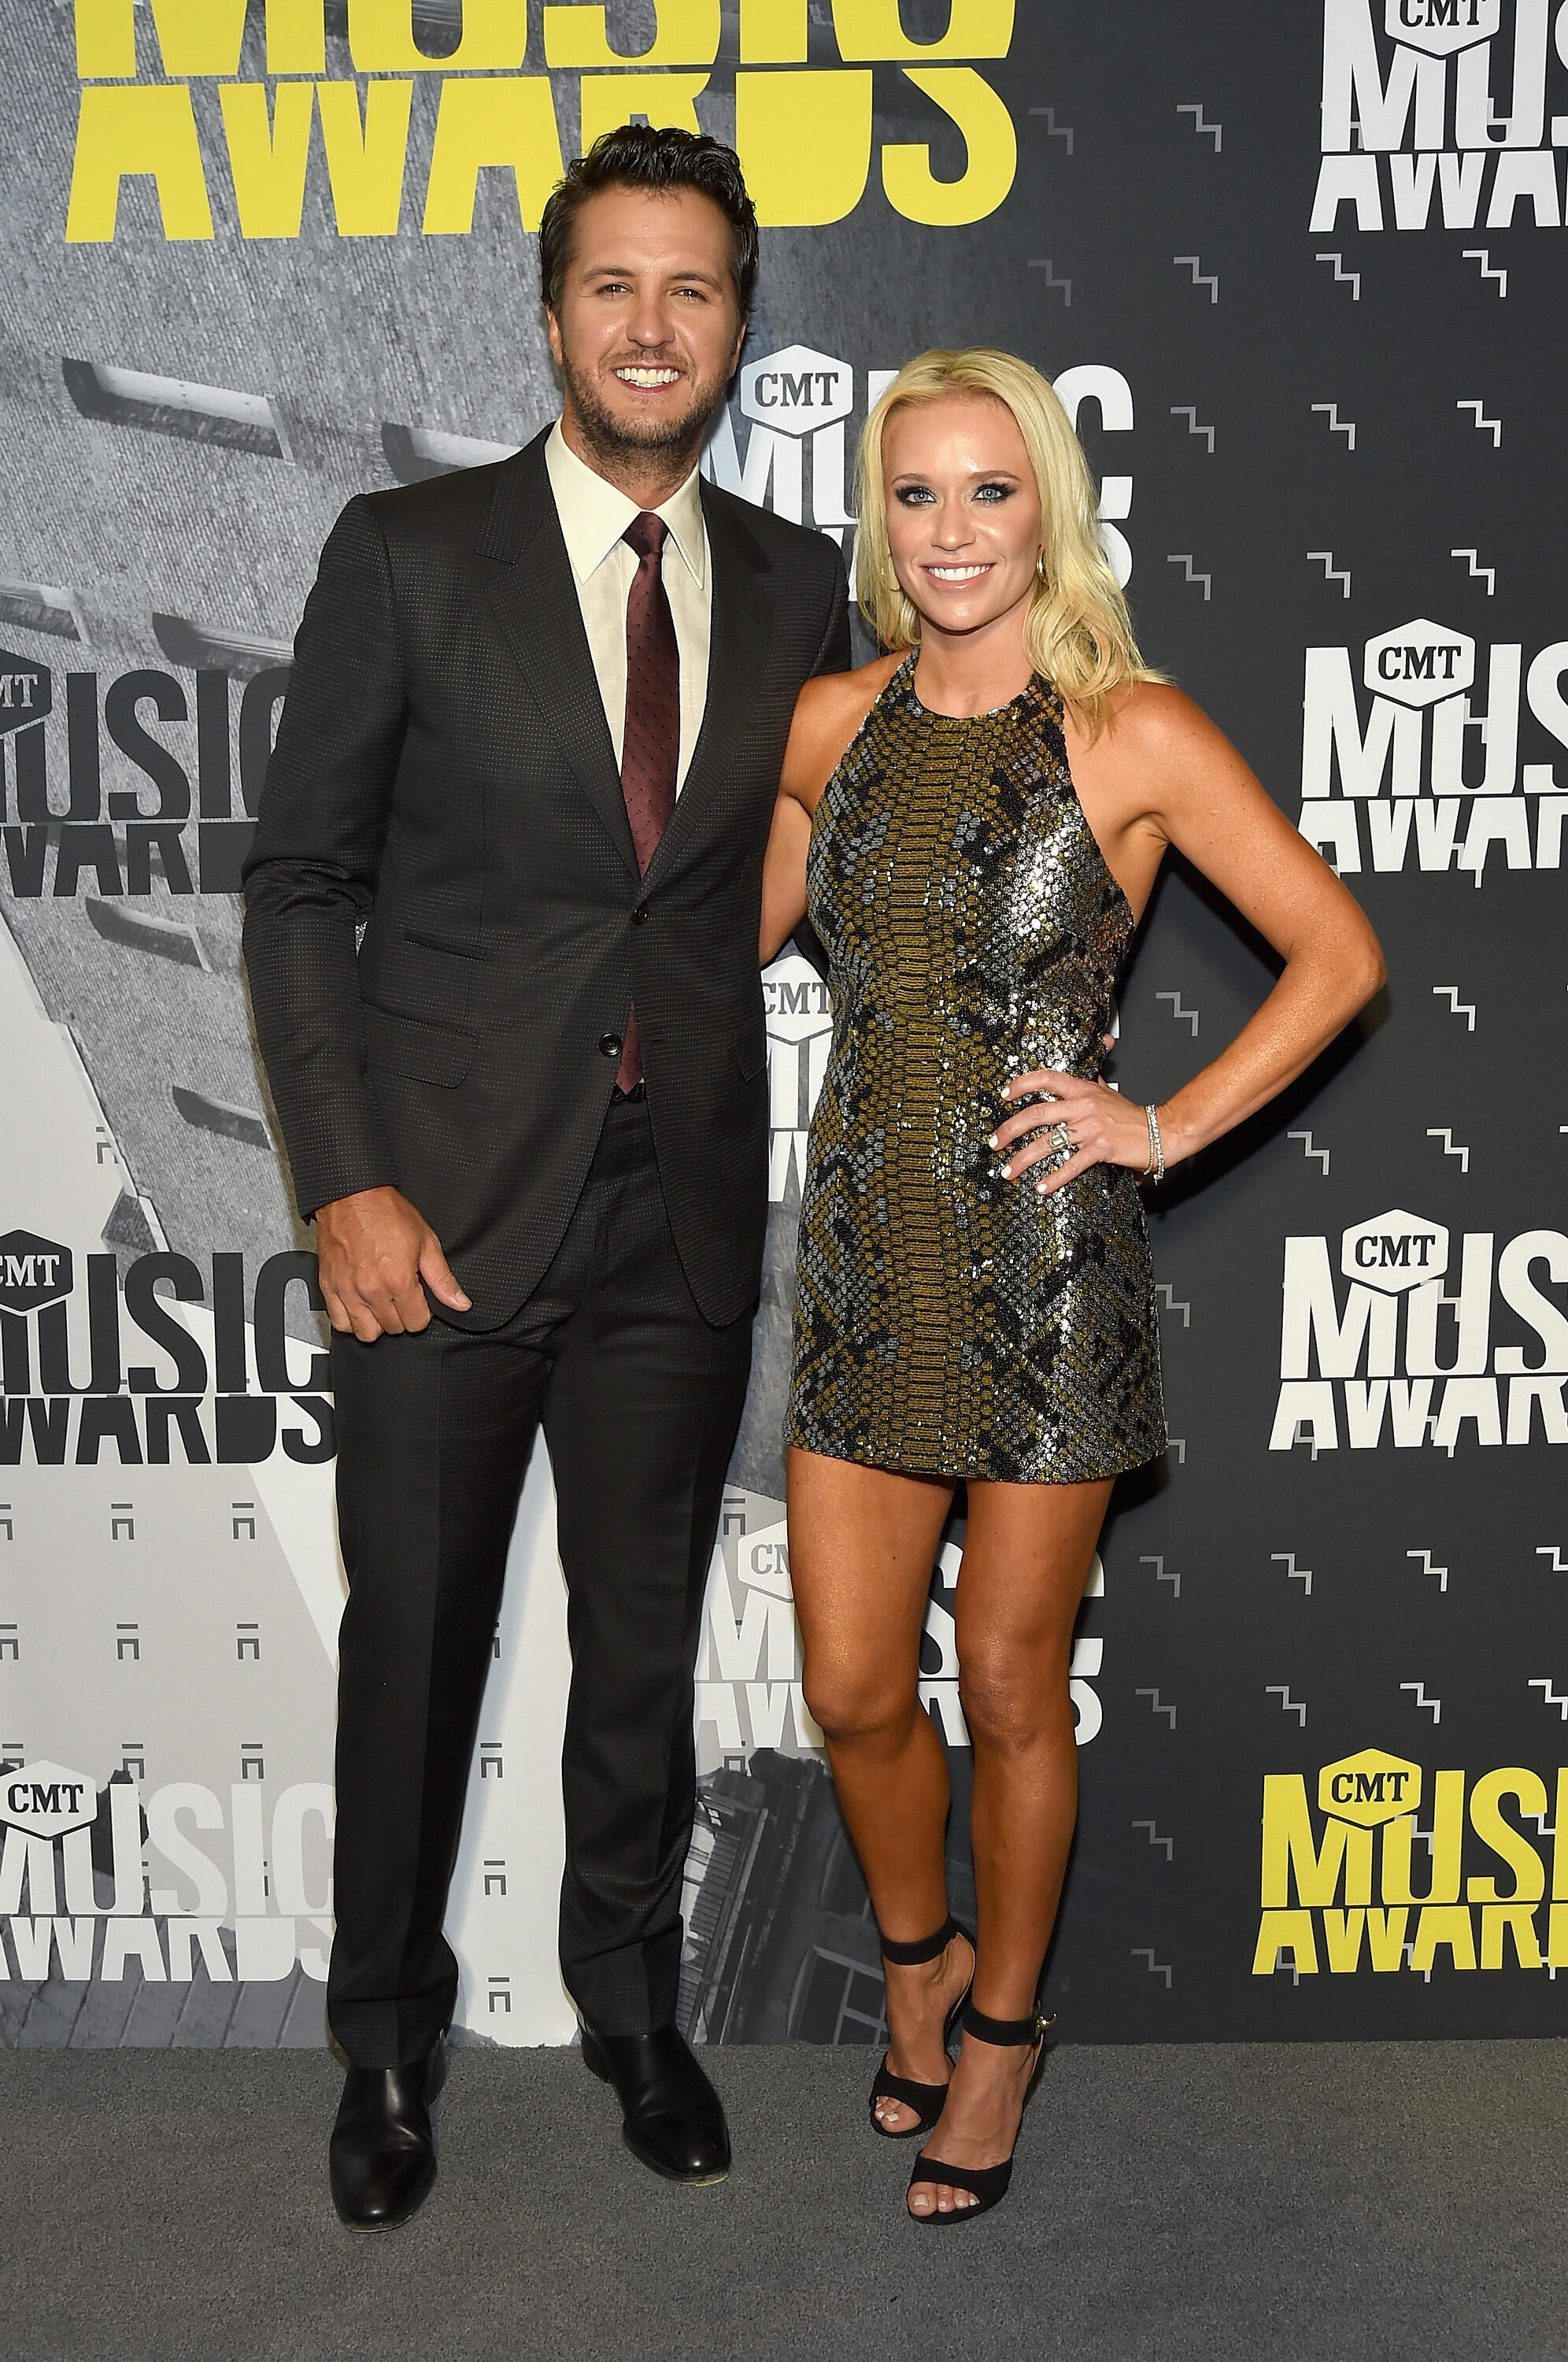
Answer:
(1095, 1122)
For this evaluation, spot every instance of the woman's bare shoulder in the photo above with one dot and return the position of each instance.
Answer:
(830, 710)
(839, 702)
(1150, 719)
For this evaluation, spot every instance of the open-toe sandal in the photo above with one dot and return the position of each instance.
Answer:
(986, 2184)
(927, 2100)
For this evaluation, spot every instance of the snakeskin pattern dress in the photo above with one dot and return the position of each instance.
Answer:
(948, 1322)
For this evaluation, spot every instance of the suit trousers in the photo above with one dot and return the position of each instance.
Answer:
(640, 1400)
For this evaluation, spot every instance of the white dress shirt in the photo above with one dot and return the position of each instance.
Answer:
(593, 517)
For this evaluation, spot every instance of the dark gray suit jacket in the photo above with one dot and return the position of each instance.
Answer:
(444, 775)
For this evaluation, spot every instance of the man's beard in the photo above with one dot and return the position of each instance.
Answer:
(612, 437)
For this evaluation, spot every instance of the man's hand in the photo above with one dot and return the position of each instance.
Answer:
(374, 1249)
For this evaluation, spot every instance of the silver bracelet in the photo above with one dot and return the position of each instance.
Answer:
(1155, 1168)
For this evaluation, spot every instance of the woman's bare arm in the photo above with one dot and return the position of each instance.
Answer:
(829, 710)
(1167, 775)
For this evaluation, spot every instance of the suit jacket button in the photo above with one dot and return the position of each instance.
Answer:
(640, 915)
(610, 1045)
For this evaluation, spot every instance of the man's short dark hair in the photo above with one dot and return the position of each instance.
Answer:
(638, 158)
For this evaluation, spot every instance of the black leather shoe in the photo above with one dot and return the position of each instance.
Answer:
(674, 2120)
(383, 2143)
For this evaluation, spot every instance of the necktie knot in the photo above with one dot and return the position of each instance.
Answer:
(646, 534)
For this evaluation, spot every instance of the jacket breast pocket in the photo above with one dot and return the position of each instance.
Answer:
(428, 940)
(408, 1045)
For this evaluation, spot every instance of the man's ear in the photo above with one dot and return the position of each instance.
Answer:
(740, 342)
(553, 330)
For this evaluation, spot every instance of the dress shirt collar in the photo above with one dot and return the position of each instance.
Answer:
(594, 514)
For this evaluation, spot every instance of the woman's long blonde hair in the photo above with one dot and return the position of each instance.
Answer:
(1077, 631)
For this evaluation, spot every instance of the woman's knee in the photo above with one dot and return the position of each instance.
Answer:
(1010, 1700)
(850, 1701)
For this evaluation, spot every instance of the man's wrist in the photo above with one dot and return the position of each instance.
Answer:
(355, 1197)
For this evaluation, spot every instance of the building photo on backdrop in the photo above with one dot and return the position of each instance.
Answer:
(1295, 275)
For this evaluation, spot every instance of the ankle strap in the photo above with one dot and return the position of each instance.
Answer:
(1005, 2031)
(929, 1947)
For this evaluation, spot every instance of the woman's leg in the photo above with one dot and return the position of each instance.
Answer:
(1026, 1557)
(862, 1545)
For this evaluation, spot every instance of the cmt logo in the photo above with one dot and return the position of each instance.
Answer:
(1343, 1896)
(33, 1272)
(45, 1800)
(1396, 1251)
(26, 691)
(1410, 1355)
(1419, 663)
(1442, 27)
(1369, 1788)
(798, 390)
(1389, 788)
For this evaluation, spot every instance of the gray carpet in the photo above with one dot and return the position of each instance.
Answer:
(1290, 2201)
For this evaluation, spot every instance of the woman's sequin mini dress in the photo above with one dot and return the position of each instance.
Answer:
(948, 1322)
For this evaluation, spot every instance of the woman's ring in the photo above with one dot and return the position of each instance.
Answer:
(1061, 1137)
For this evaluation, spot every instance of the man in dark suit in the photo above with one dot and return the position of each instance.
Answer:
(502, 936)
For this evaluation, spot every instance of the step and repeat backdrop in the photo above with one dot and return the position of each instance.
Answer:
(1297, 272)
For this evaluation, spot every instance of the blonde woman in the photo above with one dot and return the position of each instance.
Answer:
(975, 821)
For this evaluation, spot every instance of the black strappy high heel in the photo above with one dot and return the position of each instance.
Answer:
(986, 2184)
(927, 2100)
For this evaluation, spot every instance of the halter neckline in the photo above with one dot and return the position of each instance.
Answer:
(1035, 696)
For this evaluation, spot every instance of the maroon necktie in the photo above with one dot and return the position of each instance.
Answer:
(650, 747)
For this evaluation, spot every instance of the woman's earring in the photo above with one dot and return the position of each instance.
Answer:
(1040, 567)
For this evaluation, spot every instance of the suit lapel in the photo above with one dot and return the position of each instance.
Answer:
(740, 630)
(531, 590)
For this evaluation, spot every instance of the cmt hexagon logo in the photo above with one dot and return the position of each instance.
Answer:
(1394, 1251)
(1369, 1788)
(45, 1800)
(1442, 27)
(26, 691)
(33, 1271)
(1419, 663)
(797, 391)
(795, 1002)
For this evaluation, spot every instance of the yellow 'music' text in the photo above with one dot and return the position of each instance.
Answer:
(227, 107)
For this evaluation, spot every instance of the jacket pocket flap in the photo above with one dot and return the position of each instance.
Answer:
(751, 1052)
(407, 1045)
